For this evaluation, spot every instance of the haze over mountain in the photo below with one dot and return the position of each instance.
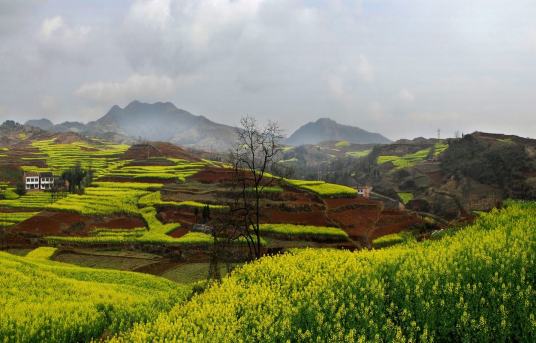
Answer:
(325, 129)
(43, 124)
(161, 121)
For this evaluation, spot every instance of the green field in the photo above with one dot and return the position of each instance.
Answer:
(42, 253)
(405, 197)
(404, 161)
(323, 189)
(32, 200)
(101, 157)
(45, 301)
(475, 285)
(178, 172)
(393, 239)
(359, 154)
(304, 232)
(13, 218)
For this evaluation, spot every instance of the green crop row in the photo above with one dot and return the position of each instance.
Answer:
(100, 201)
(303, 232)
(42, 253)
(32, 200)
(393, 239)
(405, 161)
(98, 156)
(13, 218)
(323, 189)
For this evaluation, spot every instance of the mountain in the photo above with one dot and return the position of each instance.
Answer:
(69, 126)
(325, 129)
(43, 124)
(163, 121)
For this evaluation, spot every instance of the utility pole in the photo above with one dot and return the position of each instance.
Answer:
(438, 135)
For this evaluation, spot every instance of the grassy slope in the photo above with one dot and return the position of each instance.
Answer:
(42, 300)
(475, 285)
(304, 232)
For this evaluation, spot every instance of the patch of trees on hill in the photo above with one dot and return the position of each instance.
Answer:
(503, 164)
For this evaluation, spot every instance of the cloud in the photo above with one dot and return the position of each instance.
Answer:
(139, 87)
(406, 96)
(364, 69)
(59, 41)
(362, 61)
(15, 15)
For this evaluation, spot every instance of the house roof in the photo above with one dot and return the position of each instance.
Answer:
(46, 174)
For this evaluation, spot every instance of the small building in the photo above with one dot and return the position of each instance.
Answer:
(364, 191)
(46, 181)
(31, 181)
(39, 181)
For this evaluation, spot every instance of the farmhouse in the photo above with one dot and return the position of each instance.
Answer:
(39, 181)
(364, 191)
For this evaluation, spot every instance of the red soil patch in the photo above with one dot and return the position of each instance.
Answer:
(179, 232)
(214, 175)
(157, 149)
(314, 216)
(221, 175)
(121, 223)
(49, 223)
(185, 216)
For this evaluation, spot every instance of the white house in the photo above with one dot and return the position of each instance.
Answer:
(39, 181)
(364, 191)
(47, 180)
(31, 180)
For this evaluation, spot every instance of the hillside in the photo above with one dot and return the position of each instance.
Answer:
(43, 124)
(474, 285)
(144, 212)
(325, 129)
(451, 178)
(152, 193)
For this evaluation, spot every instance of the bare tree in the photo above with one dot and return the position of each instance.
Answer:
(253, 157)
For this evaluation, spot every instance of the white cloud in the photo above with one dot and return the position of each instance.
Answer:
(59, 41)
(139, 87)
(56, 29)
(48, 104)
(364, 68)
(153, 13)
(406, 96)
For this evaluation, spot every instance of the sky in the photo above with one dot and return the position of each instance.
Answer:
(401, 68)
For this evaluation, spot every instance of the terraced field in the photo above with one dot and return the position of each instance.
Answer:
(99, 156)
(45, 301)
(153, 194)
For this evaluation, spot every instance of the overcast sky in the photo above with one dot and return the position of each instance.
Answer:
(402, 68)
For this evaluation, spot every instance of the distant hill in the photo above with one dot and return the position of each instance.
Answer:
(43, 124)
(69, 126)
(325, 129)
(161, 121)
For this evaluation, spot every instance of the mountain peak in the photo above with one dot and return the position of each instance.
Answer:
(43, 124)
(326, 121)
(327, 129)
